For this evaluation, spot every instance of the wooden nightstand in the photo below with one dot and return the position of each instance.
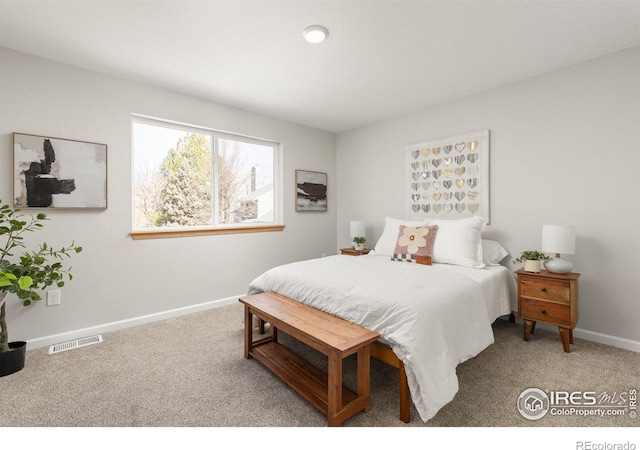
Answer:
(353, 252)
(550, 298)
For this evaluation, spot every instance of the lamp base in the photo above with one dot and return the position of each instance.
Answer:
(558, 265)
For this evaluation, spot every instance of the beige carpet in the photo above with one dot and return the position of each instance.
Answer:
(190, 372)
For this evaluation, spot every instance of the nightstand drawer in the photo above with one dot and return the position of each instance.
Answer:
(553, 313)
(544, 289)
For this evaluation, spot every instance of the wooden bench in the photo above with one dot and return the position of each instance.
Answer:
(383, 352)
(334, 337)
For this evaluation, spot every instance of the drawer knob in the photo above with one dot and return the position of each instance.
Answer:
(543, 289)
(544, 311)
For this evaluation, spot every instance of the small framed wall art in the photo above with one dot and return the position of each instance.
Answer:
(311, 191)
(51, 172)
(448, 178)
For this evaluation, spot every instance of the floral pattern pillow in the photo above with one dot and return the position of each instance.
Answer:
(414, 242)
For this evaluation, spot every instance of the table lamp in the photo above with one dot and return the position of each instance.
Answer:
(559, 239)
(357, 230)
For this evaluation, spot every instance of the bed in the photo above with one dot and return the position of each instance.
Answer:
(433, 317)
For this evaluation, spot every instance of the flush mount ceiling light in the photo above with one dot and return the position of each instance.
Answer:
(315, 33)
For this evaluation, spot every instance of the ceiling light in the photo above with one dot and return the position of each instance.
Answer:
(315, 34)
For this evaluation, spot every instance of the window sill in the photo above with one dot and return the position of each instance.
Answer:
(186, 232)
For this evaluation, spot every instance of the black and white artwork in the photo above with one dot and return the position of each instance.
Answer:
(58, 173)
(311, 191)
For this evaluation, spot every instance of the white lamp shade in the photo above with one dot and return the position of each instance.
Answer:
(357, 229)
(559, 239)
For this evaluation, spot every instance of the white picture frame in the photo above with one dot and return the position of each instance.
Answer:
(311, 191)
(60, 173)
(448, 178)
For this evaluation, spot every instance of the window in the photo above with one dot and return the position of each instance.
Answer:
(189, 180)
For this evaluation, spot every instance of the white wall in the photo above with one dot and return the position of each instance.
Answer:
(116, 278)
(565, 149)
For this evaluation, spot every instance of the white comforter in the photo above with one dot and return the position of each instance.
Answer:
(433, 317)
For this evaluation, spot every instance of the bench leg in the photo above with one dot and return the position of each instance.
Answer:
(334, 401)
(364, 374)
(248, 331)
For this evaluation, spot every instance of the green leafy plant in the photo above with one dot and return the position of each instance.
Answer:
(24, 272)
(359, 240)
(531, 255)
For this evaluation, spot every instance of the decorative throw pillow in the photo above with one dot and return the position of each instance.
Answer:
(414, 242)
(387, 242)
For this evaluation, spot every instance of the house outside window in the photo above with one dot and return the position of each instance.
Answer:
(190, 178)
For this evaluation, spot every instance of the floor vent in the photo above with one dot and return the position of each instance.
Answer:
(83, 342)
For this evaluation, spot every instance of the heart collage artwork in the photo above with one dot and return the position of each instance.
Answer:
(447, 178)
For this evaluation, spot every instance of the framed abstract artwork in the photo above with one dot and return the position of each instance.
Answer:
(448, 178)
(311, 191)
(51, 172)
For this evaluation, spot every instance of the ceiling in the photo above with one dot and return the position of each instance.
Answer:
(382, 58)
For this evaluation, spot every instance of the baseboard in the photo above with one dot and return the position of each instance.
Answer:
(614, 341)
(600, 338)
(45, 341)
(127, 323)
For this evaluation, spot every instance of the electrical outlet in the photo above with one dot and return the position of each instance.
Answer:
(53, 298)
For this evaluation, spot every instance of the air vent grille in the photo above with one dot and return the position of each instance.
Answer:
(83, 342)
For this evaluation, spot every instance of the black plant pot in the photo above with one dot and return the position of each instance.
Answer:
(13, 360)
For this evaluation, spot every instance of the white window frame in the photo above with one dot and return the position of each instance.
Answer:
(183, 231)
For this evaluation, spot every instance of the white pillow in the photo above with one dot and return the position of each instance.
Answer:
(387, 242)
(459, 241)
(493, 252)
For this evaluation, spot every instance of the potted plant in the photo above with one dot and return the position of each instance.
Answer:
(531, 260)
(359, 240)
(23, 273)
